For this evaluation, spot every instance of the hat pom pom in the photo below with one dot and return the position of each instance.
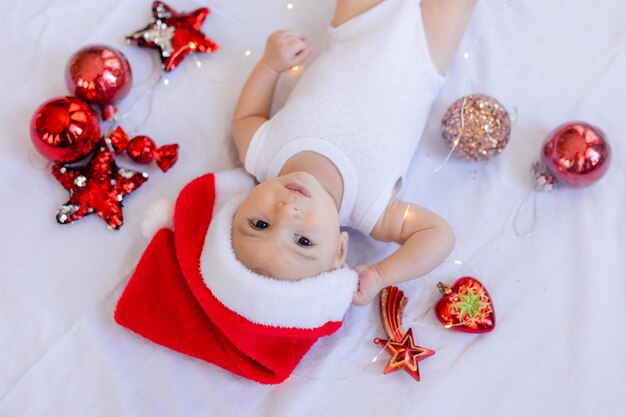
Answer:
(160, 214)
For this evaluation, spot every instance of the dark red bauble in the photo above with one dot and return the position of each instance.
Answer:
(64, 129)
(576, 154)
(99, 75)
(141, 149)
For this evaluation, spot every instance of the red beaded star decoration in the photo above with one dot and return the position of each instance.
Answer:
(97, 187)
(174, 34)
(405, 354)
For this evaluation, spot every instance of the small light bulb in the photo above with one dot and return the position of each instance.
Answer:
(198, 64)
(466, 55)
(290, 6)
(192, 45)
(166, 81)
(248, 52)
(296, 68)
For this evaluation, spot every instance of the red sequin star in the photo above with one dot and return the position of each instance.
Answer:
(405, 354)
(174, 34)
(98, 186)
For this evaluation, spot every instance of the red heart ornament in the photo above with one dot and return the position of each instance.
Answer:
(466, 306)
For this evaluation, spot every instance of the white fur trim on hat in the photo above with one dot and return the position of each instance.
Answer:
(307, 303)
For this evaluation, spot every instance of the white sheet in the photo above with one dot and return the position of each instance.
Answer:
(559, 345)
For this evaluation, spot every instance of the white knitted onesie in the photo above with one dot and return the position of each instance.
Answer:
(363, 104)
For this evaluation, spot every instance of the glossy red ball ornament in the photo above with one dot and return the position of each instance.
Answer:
(141, 149)
(466, 306)
(99, 75)
(576, 154)
(64, 129)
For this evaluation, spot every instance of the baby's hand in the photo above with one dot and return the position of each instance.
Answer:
(370, 284)
(285, 49)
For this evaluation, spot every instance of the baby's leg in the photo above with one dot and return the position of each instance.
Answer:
(347, 9)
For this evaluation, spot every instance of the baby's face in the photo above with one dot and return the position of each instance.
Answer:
(288, 228)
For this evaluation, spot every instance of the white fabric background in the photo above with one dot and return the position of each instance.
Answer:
(559, 345)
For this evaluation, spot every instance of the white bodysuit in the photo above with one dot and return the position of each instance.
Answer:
(363, 104)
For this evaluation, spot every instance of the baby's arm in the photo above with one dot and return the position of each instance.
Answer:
(283, 50)
(444, 24)
(425, 238)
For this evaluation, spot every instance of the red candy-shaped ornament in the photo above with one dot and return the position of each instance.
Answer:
(466, 306)
(142, 149)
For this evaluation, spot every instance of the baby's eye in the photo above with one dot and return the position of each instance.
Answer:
(303, 241)
(259, 224)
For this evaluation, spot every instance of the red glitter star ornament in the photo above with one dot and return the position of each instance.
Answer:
(174, 34)
(405, 354)
(97, 187)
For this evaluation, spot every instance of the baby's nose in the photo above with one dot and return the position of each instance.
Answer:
(288, 209)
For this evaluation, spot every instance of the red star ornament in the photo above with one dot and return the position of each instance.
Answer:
(98, 186)
(174, 34)
(405, 354)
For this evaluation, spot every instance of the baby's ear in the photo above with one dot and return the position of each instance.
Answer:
(343, 250)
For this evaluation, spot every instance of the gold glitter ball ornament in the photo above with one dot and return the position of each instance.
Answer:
(478, 125)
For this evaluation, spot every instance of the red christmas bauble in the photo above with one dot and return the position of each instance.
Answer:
(576, 154)
(466, 306)
(64, 129)
(99, 75)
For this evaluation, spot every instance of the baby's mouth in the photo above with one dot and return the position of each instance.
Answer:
(299, 188)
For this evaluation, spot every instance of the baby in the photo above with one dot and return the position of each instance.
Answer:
(336, 153)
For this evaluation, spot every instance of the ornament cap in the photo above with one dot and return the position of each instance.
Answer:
(544, 181)
(108, 111)
(444, 288)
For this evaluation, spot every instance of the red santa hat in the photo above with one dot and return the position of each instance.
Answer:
(191, 294)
